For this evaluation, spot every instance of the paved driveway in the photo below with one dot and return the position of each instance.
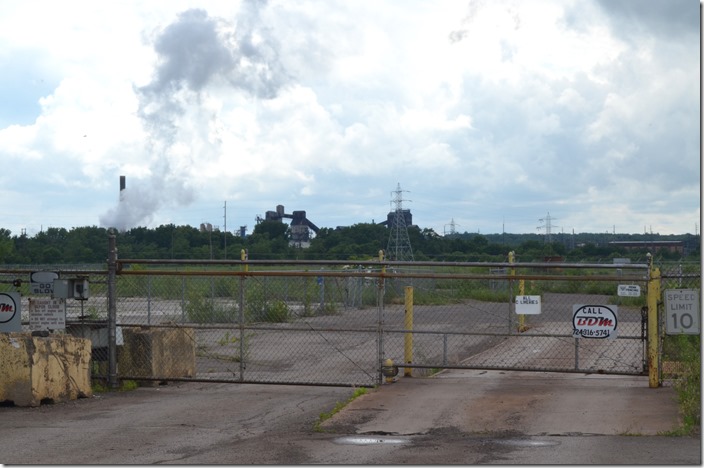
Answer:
(456, 417)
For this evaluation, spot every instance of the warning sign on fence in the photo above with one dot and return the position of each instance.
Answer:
(47, 314)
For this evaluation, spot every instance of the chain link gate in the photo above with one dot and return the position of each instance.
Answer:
(227, 322)
(469, 320)
(327, 323)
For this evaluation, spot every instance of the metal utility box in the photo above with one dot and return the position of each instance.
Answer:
(80, 289)
(76, 288)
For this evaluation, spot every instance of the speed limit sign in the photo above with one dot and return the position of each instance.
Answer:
(682, 311)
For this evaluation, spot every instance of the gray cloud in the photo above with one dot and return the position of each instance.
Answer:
(195, 52)
(668, 19)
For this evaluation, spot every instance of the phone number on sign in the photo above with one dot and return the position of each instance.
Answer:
(592, 333)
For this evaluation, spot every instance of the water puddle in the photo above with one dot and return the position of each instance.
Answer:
(526, 442)
(370, 440)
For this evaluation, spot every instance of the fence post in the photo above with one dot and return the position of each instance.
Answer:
(408, 338)
(112, 312)
(511, 306)
(653, 326)
(244, 256)
(380, 316)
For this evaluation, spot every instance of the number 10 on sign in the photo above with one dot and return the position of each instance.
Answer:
(682, 311)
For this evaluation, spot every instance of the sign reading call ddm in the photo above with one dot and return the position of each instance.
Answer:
(594, 321)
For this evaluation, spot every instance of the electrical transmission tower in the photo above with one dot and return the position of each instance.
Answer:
(452, 225)
(399, 246)
(547, 224)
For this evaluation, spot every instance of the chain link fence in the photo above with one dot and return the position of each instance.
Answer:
(680, 353)
(331, 323)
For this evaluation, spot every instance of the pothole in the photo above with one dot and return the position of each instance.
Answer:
(370, 440)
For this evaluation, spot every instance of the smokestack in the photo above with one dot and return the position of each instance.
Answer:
(122, 185)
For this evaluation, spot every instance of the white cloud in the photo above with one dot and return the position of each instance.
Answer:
(486, 111)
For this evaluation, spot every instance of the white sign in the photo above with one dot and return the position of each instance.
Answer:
(47, 314)
(42, 282)
(10, 312)
(629, 290)
(528, 305)
(682, 311)
(594, 321)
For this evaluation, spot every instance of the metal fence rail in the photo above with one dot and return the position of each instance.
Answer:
(333, 323)
(329, 323)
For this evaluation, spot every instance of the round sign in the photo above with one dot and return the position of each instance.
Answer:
(594, 321)
(8, 308)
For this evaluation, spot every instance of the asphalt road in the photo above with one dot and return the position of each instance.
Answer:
(455, 417)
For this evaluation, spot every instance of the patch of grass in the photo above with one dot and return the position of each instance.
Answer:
(202, 309)
(685, 349)
(338, 407)
(99, 386)
(261, 310)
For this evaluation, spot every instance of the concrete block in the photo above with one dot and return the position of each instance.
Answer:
(35, 369)
(157, 353)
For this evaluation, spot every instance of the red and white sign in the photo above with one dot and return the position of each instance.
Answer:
(10, 312)
(594, 321)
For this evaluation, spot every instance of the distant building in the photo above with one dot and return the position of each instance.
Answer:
(391, 218)
(653, 246)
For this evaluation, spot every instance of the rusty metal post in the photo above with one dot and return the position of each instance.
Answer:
(244, 256)
(653, 326)
(408, 337)
(112, 312)
(511, 302)
(380, 317)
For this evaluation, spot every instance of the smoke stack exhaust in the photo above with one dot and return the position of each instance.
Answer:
(122, 186)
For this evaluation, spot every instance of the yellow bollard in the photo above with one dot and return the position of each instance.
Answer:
(389, 371)
(653, 338)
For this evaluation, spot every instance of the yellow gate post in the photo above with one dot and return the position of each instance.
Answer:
(653, 334)
(408, 337)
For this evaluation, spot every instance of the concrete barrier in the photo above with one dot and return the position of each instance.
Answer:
(35, 369)
(157, 353)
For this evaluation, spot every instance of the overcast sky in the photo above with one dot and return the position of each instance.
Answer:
(489, 114)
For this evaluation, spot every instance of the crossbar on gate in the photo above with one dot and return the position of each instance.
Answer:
(381, 270)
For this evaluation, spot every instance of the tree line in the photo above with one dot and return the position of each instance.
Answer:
(271, 240)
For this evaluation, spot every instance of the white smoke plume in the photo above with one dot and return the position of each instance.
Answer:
(197, 53)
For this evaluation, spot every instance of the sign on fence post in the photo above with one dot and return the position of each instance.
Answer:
(682, 311)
